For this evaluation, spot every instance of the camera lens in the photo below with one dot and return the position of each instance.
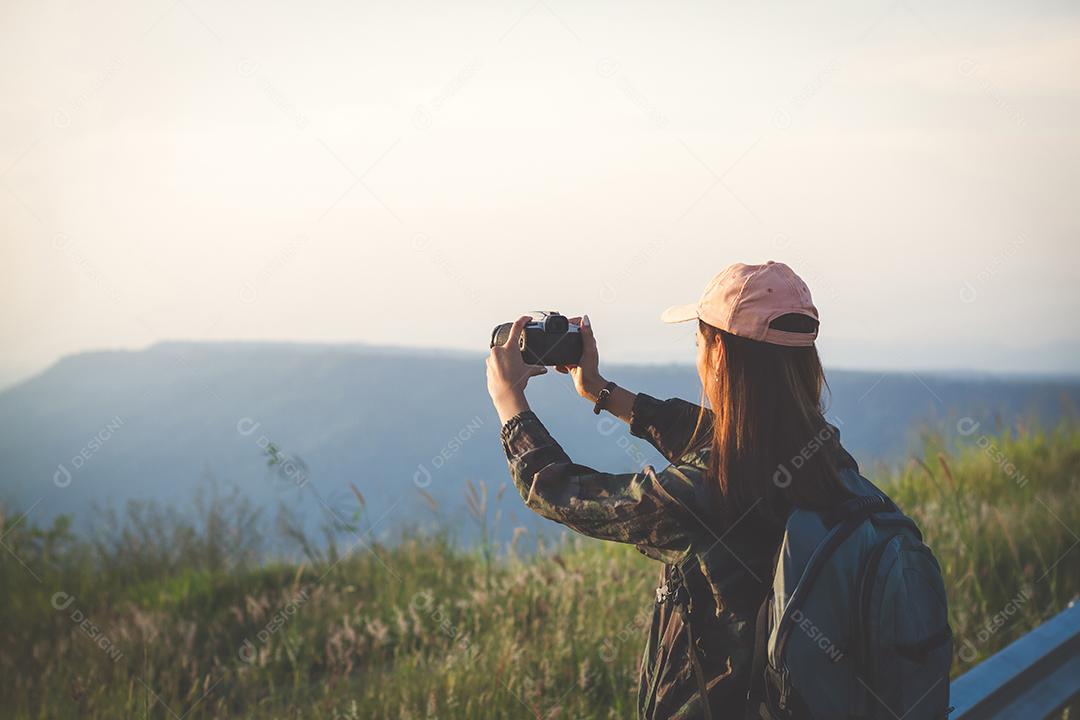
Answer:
(556, 324)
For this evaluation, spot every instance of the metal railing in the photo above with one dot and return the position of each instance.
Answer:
(1033, 678)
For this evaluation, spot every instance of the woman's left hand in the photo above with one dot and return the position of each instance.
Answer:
(507, 373)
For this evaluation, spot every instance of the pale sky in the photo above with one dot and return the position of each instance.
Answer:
(412, 173)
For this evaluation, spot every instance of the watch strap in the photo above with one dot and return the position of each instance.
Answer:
(602, 398)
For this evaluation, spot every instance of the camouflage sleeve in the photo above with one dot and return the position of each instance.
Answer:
(637, 508)
(669, 424)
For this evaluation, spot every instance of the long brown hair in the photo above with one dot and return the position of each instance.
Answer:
(769, 438)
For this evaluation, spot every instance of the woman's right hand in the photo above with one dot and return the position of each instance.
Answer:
(586, 374)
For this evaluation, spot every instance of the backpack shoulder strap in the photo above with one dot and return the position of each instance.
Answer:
(699, 673)
(674, 590)
(755, 696)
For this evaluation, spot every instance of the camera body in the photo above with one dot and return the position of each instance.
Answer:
(549, 339)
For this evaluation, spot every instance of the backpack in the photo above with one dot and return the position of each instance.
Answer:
(856, 625)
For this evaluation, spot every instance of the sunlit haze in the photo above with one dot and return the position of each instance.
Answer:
(411, 173)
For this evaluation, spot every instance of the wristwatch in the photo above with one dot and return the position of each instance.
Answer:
(602, 398)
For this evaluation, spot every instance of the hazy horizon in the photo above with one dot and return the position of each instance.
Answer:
(412, 174)
(479, 353)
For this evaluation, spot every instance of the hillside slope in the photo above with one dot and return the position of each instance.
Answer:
(98, 429)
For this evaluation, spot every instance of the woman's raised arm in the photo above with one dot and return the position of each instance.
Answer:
(668, 425)
(648, 509)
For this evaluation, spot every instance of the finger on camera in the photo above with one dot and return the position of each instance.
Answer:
(514, 337)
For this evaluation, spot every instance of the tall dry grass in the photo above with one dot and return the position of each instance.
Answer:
(169, 616)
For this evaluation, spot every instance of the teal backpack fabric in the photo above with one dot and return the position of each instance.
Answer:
(856, 626)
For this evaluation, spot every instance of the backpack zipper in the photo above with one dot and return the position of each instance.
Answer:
(866, 590)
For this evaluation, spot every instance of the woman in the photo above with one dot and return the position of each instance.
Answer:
(715, 516)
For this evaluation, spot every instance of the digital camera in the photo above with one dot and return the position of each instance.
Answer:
(549, 339)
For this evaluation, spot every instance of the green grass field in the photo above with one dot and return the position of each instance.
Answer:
(165, 619)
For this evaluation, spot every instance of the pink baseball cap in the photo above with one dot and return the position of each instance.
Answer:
(744, 299)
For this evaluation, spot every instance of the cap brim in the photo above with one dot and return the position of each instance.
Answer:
(679, 313)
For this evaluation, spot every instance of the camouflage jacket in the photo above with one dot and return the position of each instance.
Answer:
(667, 516)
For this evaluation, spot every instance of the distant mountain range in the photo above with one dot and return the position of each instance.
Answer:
(101, 428)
